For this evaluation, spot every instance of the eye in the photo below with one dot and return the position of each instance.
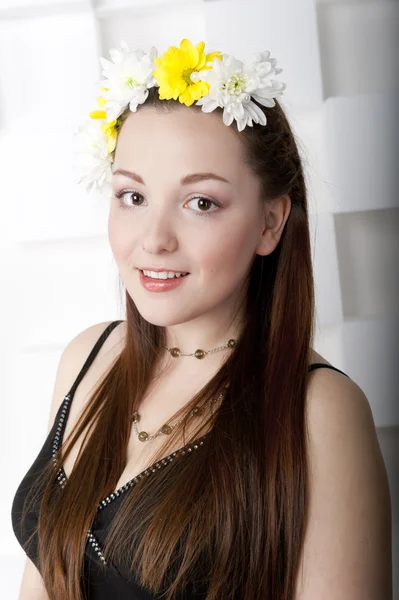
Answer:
(132, 194)
(134, 200)
(203, 203)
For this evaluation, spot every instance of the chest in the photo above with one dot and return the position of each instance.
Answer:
(162, 400)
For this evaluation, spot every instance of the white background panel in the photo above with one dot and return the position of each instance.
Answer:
(55, 76)
(12, 563)
(28, 408)
(12, 417)
(368, 255)
(44, 200)
(260, 25)
(371, 350)
(69, 288)
(359, 47)
(36, 385)
(25, 5)
(307, 127)
(163, 28)
(353, 1)
(328, 343)
(325, 268)
(112, 6)
(361, 152)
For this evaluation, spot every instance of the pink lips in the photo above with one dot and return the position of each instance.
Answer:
(160, 285)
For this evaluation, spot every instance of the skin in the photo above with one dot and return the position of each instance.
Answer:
(168, 225)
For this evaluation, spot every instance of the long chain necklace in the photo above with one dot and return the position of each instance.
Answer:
(167, 428)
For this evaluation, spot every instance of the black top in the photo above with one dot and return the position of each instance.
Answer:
(100, 583)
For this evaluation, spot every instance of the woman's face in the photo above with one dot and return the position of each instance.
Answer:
(188, 203)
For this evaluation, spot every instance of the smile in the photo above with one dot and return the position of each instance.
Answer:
(163, 274)
(161, 282)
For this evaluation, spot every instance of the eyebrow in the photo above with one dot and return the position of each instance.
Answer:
(192, 178)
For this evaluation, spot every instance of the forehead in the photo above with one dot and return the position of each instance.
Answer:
(187, 135)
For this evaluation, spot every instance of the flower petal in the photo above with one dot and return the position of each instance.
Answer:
(191, 53)
(208, 105)
(227, 117)
(256, 113)
(97, 114)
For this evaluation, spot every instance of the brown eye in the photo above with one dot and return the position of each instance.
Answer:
(202, 205)
(134, 199)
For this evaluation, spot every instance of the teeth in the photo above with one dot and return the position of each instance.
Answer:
(163, 274)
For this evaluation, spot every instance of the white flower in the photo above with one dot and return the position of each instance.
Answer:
(92, 162)
(234, 84)
(129, 75)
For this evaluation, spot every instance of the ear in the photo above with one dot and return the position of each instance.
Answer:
(275, 215)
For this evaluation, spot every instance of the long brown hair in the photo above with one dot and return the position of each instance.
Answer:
(232, 515)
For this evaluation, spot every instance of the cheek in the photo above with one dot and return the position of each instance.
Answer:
(231, 253)
(120, 238)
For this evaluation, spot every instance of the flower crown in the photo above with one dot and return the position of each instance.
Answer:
(186, 74)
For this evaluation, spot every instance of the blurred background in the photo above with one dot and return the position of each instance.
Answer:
(340, 61)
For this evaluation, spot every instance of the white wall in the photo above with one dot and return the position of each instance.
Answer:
(339, 64)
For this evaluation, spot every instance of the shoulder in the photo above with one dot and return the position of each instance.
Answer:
(74, 355)
(347, 547)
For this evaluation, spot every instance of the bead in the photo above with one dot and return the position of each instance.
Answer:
(232, 343)
(93, 541)
(166, 429)
(143, 436)
(136, 416)
(199, 353)
(175, 352)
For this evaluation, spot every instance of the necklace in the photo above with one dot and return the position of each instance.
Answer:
(175, 352)
(167, 428)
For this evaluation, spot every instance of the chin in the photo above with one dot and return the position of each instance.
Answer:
(161, 319)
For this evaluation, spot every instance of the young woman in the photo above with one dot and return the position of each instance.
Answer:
(201, 448)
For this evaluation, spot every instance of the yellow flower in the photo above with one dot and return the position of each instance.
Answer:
(110, 129)
(175, 68)
(100, 114)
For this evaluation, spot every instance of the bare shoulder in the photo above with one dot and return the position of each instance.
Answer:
(347, 547)
(74, 355)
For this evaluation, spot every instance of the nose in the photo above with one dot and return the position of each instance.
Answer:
(158, 232)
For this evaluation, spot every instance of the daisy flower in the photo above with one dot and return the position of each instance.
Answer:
(129, 75)
(180, 70)
(110, 129)
(92, 161)
(234, 85)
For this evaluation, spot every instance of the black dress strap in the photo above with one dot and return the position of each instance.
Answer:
(319, 365)
(92, 355)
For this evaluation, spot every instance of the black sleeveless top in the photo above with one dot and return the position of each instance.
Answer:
(100, 581)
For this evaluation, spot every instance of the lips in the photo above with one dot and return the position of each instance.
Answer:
(160, 285)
